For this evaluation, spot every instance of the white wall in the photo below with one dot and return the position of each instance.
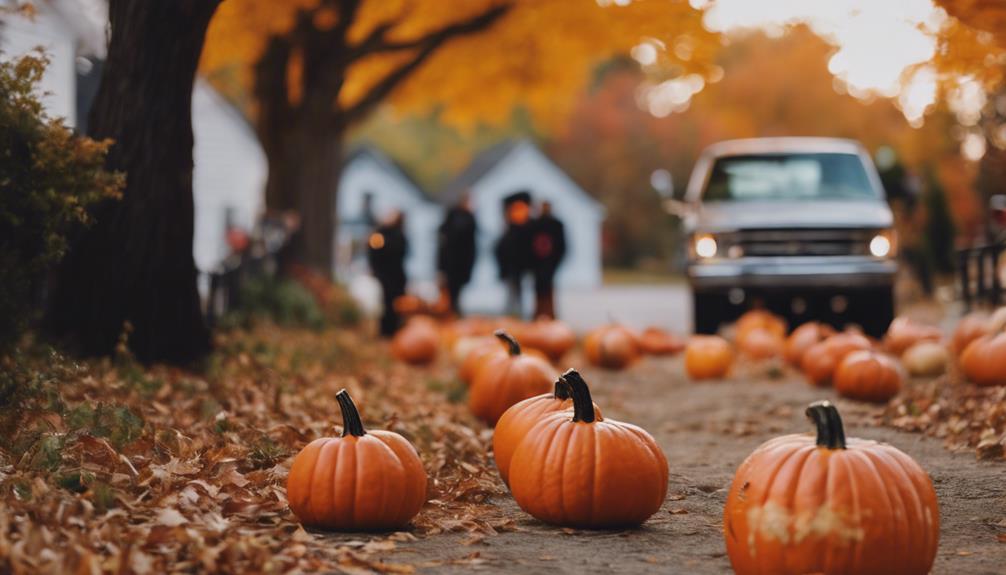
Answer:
(19, 35)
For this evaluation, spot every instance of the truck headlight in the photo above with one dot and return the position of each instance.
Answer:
(883, 244)
(705, 245)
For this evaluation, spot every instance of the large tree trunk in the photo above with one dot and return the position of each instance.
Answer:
(135, 264)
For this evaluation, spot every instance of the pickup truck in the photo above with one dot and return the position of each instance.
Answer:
(799, 226)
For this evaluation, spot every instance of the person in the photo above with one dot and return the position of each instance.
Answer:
(456, 251)
(387, 247)
(513, 251)
(548, 246)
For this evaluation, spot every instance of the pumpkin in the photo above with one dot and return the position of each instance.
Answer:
(476, 357)
(822, 358)
(760, 319)
(416, 343)
(801, 504)
(515, 422)
(760, 343)
(549, 336)
(503, 379)
(576, 469)
(802, 339)
(903, 333)
(708, 357)
(868, 376)
(469, 343)
(459, 329)
(925, 359)
(970, 328)
(984, 360)
(362, 481)
(656, 341)
(611, 347)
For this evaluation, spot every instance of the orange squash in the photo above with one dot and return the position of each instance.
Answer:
(970, 328)
(465, 345)
(868, 376)
(362, 481)
(708, 357)
(760, 319)
(416, 343)
(761, 344)
(802, 339)
(502, 380)
(903, 333)
(579, 470)
(549, 336)
(821, 360)
(801, 504)
(656, 341)
(611, 347)
(984, 360)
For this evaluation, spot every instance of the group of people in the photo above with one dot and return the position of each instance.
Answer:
(531, 244)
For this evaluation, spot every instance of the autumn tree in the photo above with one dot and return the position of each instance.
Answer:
(134, 266)
(310, 70)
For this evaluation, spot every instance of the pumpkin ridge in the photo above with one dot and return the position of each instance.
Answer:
(350, 456)
(911, 469)
(330, 450)
(561, 474)
(306, 504)
(803, 453)
(895, 497)
(870, 464)
(755, 528)
(857, 511)
(540, 483)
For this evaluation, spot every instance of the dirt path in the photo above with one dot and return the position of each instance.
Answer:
(706, 430)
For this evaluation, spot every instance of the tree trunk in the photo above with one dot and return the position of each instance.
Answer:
(135, 264)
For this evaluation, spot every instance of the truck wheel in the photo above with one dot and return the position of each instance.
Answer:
(707, 312)
(876, 311)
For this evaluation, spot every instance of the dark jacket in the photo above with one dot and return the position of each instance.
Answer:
(548, 244)
(387, 257)
(513, 250)
(456, 245)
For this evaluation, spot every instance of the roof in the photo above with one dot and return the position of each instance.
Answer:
(386, 162)
(479, 167)
(782, 145)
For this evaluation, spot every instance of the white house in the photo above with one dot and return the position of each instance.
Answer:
(520, 165)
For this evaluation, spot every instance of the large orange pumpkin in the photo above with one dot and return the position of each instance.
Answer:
(819, 362)
(416, 343)
(760, 343)
(831, 505)
(502, 380)
(579, 470)
(760, 319)
(868, 376)
(903, 333)
(708, 357)
(362, 481)
(656, 341)
(549, 336)
(984, 360)
(803, 338)
(611, 347)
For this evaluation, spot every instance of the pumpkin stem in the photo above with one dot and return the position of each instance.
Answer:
(583, 405)
(561, 389)
(509, 341)
(351, 424)
(830, 432)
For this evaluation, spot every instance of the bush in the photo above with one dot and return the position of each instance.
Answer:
(49, 177)
(283, 301)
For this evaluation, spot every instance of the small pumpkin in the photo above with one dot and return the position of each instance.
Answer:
(576, 469)
(759, 319)
(803, 338)
(477, 356)
(549, 336)
(821, 359)
(611, 347)
(708, 357)
(760, 344)
(984, 360)
(868, 376)
(656, 341)
(361, 481)
(416, 343)
(925, 359)
(903, 333)
(969, 328)
(800, 504)
(502, 380)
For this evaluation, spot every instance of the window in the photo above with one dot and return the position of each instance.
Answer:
(768, 177)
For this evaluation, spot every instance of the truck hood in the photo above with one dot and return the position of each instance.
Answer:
(733, 216)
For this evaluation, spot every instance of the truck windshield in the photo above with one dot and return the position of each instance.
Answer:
(788, 177)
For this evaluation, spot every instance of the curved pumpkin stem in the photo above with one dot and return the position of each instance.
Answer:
(351, 423)
(830, 432)
(583, 405)
(509, 340)
(561, 389)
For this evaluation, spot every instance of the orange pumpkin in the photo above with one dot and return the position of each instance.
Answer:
(760, 343)
(416, 343)
(970, 328)
(708, 357)
(462, 346)
(801, 504)
(903, 333)
(984, 360)
(656, 341)
(362, 481)
(502, 380)
(802, 339)
(611, 347)
(549, 336)
(868, 376)
(476, 357)
(822, 358)
(760, 319)
(579, 470)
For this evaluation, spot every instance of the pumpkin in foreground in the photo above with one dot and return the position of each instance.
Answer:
(801, 504)
(503, 379)
(580, 470)
(868, 376)
(708, 357)
(362, 481)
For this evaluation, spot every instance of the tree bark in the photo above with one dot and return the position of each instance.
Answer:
(135, 265)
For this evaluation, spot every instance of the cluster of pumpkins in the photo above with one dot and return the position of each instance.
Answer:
(798, 504)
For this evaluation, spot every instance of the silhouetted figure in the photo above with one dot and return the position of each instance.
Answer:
(513, 251)
(387, 247)
(456, 251)
(548, 245)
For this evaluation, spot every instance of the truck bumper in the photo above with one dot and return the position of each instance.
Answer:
(794, 272)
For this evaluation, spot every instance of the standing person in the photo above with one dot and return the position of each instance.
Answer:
(513, 251)
(456, 251)
(548, 245)
(387, 247)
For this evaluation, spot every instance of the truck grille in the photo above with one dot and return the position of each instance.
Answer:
(800, 242)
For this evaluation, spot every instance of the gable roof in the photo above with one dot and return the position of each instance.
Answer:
(386, 162)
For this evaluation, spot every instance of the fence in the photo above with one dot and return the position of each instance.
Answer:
(980, 275)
